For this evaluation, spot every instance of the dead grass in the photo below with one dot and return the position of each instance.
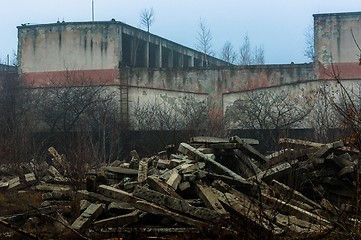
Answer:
(19, 202)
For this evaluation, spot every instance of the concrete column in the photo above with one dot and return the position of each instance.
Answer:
(170, 58)
(191, 64)
(159, 56)
(133, 51)
(181, 59)
(146, 54)
(120, 42)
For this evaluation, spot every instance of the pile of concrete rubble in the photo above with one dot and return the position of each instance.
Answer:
(205, 188)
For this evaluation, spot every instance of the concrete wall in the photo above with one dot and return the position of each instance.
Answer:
(146, 67)
(218, 87)
(84, 50)
(95, 50)
(335, 36)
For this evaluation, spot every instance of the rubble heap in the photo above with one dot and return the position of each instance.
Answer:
(206, 188)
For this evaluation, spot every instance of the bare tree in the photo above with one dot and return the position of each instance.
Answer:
(180, 117)
(309, 50)
(204, 38)
(16, 121)
(79, 115)
(276, 111)
(323, 117)
(249, 57)
(147, 18)
(245, 54)
(228, 53)
(258, 57)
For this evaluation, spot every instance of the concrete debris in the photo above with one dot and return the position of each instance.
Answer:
(209, 186)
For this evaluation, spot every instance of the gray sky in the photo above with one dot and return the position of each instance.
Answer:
(276, 25)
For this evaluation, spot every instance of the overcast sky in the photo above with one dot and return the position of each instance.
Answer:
(276, 25)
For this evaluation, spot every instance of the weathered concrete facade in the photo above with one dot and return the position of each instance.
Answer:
(96, 50)
(144, 66)
(336, 38)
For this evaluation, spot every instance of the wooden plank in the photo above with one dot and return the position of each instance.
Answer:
(176, 204)
(186, 148)
(209, 198)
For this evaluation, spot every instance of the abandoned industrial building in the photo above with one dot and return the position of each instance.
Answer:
(111, 132)
(140, 67)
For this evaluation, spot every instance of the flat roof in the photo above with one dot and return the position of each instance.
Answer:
(342, 14)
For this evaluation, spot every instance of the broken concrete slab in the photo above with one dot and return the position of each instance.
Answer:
(118, 221)
(176, 204)
(116, 193)
(174, 179)
(186, 148)
(162, 187)
(157, 210)
(209, 198)
(236, 139)
(143, 170)
(274, 172)
(87, 217)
